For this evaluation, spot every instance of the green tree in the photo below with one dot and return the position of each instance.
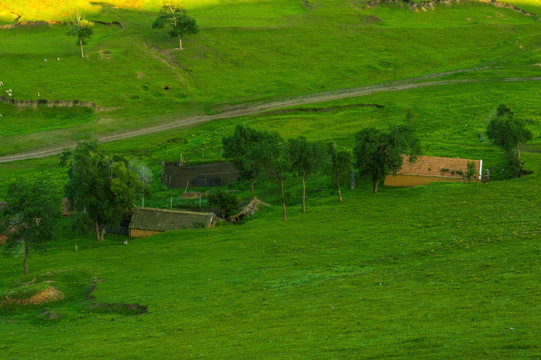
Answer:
(83, 30)
(508, 133)
(173, 16)
(378, 153)
(226, 201)
(271, 154)
(306, 157)
(30, 216)
(102, 186)
(339, 165)
(239, 148)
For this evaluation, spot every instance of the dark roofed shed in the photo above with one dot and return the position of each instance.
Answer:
(204, 175)
(147, 221)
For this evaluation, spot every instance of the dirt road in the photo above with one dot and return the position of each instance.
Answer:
(258, 108)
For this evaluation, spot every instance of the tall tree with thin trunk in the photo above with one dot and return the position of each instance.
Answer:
(339, 166)
(82, 29)
(378, 153)
(306, 157)
(173, 16)
(272, 156)
(30, 216)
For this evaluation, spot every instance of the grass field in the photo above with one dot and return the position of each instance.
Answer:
(246, 53)
(449, 270)
(418, 272)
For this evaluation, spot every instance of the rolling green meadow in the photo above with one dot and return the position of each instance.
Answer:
(449, 270)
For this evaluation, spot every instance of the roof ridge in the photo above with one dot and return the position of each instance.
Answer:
(175, 211)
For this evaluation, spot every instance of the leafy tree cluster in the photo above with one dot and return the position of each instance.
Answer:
(258, 153)
(101, 185)
(377, 154)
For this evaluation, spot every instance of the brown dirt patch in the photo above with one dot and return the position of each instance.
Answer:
(47, 295)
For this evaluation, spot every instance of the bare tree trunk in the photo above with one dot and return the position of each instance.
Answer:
(252, 183)
(376, 182)
(283, 198)
(97, 226)
(81, 43)
(180, 43)
(338, 186)
(102, 233)
(25, 261)
(303, 191)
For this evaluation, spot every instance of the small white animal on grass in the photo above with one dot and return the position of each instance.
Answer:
(44, 60)
(1, 83)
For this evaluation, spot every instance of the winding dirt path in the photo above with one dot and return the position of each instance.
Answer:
(254, 109)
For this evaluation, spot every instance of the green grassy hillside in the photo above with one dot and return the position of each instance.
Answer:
(430, 272)
(246, 52)
(448, 270)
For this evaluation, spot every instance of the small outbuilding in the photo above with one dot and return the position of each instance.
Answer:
(248, 209)
(147, 221)
(429, 169)
(178, 176)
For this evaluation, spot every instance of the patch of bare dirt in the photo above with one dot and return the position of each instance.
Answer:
(48, 295)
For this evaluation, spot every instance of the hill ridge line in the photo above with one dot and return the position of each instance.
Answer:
(258, 108)
(430, 4)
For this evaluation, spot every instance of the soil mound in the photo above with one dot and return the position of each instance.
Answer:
(47, 295)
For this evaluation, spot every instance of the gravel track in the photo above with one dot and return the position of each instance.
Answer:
(258, 108)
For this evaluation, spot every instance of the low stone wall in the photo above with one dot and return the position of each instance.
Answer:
(49, 103)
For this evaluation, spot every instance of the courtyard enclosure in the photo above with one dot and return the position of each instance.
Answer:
(429, 169)
(205, 175)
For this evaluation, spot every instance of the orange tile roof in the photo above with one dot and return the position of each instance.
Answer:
(438, 167)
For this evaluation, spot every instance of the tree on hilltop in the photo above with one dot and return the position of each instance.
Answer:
(173, 16)
(82, 29)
